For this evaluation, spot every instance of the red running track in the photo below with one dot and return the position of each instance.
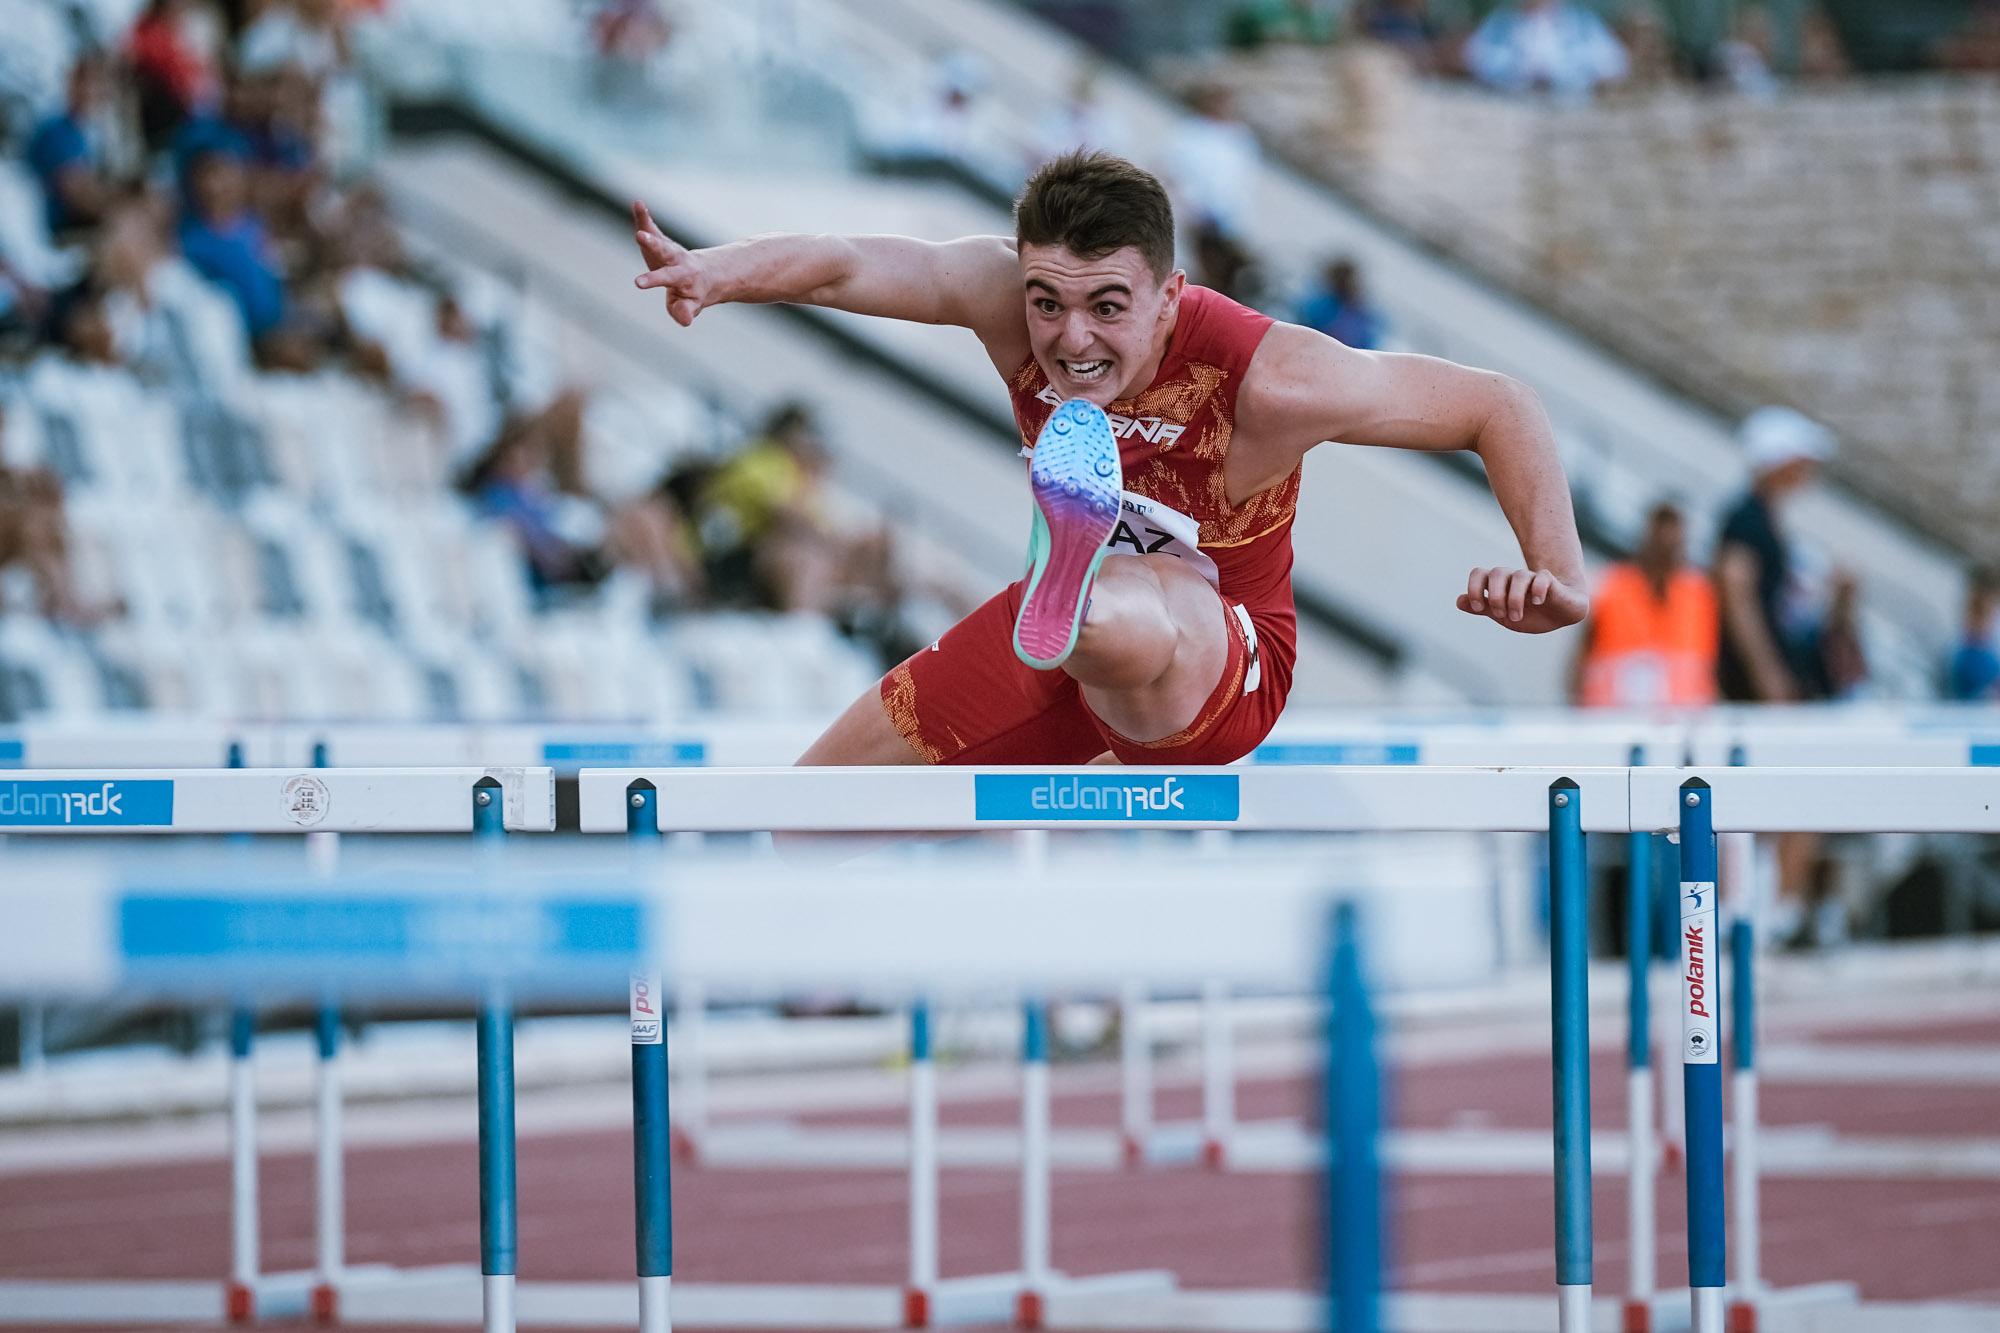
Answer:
(1898, 1239)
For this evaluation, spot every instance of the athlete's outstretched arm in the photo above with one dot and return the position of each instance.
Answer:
(972, 283)
(1304, 388)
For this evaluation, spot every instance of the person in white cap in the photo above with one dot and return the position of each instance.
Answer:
(1765, 653)
(1760, 659)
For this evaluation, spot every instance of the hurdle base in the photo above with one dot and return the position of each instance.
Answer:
(453, 1298)
(1000, 1298)
(270, 1296)
(1167, 1145)
(110, 1301)
(1747, 1315)
(686, 1149)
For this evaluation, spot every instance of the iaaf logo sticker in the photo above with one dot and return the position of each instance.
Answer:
(647, 1029)
(1698, 972)
(1153, 430)
(36, 803)
(1193, 798)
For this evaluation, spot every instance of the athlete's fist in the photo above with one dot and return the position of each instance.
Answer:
(671, 268)
(1527, 601)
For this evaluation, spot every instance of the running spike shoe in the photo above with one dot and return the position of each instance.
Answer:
(1076, 479)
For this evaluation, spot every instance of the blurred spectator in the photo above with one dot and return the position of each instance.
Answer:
(172, 53)
(22, 304)
(228, 242)
(1767, 654)
(34, 61)
(1975, 46)
(1822, 56)
(1973, 674)
(1305, 22)
(1337, 307)
(305, 36)
(1213, 164)
(1836, 663)
(768, 536)
(1743, 61)
(1081, 121)
(1651, 638)
(66, 151)
(627, 37)
(1221, 262)
(630, 31)
(1763, 624)
(1551, 46)
(570, 543)
(1648, 46)
(449, 374)
(34, 535)
(949, 124)
(1407, 26)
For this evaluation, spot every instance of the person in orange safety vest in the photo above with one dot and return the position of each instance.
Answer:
(1651, 638)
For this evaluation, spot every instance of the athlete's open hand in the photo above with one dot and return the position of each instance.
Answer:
(671, 267)
(1527, 601)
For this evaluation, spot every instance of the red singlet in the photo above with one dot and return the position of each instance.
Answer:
(969, 700)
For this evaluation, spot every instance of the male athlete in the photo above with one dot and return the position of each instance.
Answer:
(1165, 426)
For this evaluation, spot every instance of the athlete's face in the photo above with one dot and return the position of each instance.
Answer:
(1098, 326)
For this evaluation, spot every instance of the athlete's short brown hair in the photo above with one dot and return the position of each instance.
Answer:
(1092, 203)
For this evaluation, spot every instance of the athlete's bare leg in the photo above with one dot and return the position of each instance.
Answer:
(862, 735)
(1153, 646)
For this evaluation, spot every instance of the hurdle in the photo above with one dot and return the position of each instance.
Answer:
(1559, 803)
(253, 933)
(1698, 804)
(1870, 738)
(122, 745)
(239, 801)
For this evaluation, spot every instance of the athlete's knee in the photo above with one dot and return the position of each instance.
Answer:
(1129, 635)
(1127, 585)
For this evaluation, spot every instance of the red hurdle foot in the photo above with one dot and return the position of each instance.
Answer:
(1134, 1151)
(1028, 1312)
(1214, 1153)
(1638, 1317)
(916, 1308)
(239, 1303)
(325, 1304)
(683, 1147)
(1742, 1318)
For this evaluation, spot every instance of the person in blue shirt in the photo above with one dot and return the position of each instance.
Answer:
(65, 156)
(1551, 46)
(225, 239)
(1974, 676)
(1339, 309)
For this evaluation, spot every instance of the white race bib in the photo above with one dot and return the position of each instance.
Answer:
(1147, 527)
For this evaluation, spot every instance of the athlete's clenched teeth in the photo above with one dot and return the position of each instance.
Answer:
(1085, 370)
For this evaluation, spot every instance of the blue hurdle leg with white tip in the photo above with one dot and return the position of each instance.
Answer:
(1701, 1068)
(652, 1134)
(1569, 963)
(499, 1232)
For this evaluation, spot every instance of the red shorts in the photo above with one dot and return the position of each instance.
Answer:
(967, 699)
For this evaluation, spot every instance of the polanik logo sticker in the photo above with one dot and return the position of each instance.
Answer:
(306, 800)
